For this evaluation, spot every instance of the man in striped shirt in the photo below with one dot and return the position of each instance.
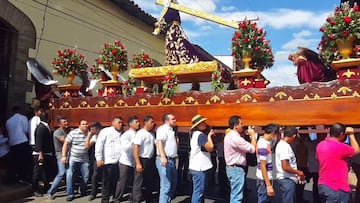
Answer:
(265, 165)
(75, 151)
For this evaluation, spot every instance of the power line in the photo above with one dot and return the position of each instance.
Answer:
(42, 28)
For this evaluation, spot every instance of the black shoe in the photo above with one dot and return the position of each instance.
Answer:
(37, 194)
(69, 199)
(92, 197)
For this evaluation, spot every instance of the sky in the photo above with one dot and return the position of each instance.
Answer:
(288, 24)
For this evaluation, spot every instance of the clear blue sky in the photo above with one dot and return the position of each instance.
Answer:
(289, 24)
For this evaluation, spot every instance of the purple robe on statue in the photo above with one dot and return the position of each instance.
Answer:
(178, 49)
(309, 71)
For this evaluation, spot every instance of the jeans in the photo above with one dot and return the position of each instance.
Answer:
(168, 179)
(329, 195)
(199, 183)
(75, 168)
(58, 178)
(262, 192)
(236, 176)
(288, 188)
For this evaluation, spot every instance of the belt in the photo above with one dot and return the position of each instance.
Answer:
(167, 157)
(238, 165)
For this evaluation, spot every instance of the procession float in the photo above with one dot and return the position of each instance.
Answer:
(151, 90)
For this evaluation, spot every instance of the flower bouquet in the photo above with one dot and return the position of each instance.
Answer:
(216, 81)
(169, 85)
(249, 43)
(343, 24)
(141, 61)
(113, 58)
(129, 86)
(69, 62)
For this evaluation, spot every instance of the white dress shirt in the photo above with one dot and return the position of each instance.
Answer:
(166, 134)
(127, 148)
(146, 142)
(107, 147)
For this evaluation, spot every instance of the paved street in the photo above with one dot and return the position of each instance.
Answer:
(212, 195)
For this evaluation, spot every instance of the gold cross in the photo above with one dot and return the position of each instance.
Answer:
(201, 14)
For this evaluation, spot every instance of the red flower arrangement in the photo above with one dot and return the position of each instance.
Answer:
(68, 61)
(343, 23)
(169, 85)
(111, 55)
(249, 39)
(142, 60)
(129, 86)
(216, 81)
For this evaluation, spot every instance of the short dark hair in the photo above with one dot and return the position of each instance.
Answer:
(337, 129)
(59, 118)
(96, 125)
(289, 131)
(117, 117)
(147, 118)
(16, 109)
(272, 128)
(131, 119)
(166, 117)
(37, 108)
(234, 120)
(44, 117)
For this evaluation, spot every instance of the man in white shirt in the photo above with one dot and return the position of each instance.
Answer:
(34, 122)
(166, 151)
(126, 161)
(17, 127)
(286, 166)
(144, 143)
(107, 154)
(264, 169)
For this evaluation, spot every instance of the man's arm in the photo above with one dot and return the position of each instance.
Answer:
(138, 165)
(160, 147)
(88, 142)
(353, 142)
(286, 167)
(64, 152)
(209, 145)
(99, 147)
(39, 138)
(264, 172)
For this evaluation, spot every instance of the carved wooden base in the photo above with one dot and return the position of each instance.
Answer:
(69, 90)
(250, 78)
(110, 88)
(347, 68)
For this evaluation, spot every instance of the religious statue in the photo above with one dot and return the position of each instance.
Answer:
(178, 49)
(310, 68)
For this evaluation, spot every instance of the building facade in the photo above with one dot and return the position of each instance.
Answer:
(38, 28)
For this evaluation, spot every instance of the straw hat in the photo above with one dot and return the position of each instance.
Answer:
(196, 120)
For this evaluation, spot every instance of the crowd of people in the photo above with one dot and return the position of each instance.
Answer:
(116, 158)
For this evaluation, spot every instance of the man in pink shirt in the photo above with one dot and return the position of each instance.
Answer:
(235, 148)
(333, 155)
